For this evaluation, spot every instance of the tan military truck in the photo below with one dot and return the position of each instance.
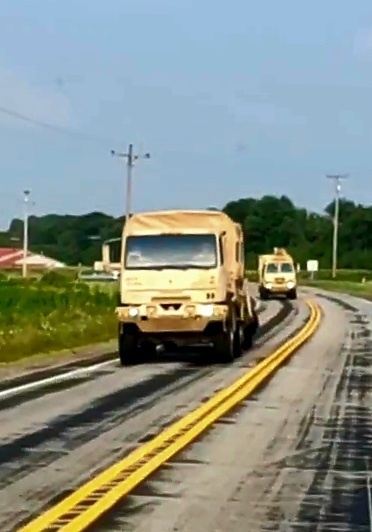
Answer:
(277, 275)
(106, 264)
(183, 282)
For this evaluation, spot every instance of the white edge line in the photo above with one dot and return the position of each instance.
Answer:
(52, 380)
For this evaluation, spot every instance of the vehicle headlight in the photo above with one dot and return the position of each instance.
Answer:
(290, 284)
(133, 312)
(206, 311)
(269, 286)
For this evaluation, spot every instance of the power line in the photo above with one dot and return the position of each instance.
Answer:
(57, 129)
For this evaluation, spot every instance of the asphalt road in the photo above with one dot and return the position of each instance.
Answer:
(295, 457)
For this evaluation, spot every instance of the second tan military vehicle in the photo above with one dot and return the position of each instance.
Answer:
(182, 282)
(277, 275)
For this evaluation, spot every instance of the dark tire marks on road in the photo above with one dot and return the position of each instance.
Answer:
(340, 483)
(34, 450)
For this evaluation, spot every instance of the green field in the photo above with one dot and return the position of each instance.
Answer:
(52, 313)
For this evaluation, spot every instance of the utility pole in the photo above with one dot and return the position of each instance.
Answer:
(337, 180)
(26, 196)
(131, 159)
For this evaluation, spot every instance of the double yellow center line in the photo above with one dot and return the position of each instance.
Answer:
(88, 503)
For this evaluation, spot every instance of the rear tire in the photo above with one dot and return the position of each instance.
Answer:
(128, 349)
(238, 340)
(170, 347)
(248, 332)
(147, 351)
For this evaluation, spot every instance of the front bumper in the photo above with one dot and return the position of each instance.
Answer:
(190, 317)
(274, 288)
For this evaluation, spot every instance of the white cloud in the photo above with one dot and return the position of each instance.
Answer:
(24, 99)
(362, 45)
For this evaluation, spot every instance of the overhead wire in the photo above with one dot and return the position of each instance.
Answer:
(57, 129)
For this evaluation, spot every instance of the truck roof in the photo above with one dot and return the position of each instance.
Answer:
(275, 258)
(181, 221)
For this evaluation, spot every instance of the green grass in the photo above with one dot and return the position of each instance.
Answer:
(53, 313)
(357, 289)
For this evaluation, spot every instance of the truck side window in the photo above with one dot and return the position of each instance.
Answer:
(242, 254)
(237, 254)
(221, 250)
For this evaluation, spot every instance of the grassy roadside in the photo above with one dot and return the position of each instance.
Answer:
(52, 314)
(363, 290)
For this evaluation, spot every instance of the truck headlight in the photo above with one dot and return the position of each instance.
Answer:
(133, 312)
(206, 311)
(268, 286)
(290, 284)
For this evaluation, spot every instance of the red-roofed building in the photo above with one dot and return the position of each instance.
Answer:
(11, 258)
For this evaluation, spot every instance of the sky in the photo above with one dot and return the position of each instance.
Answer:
(232, 99)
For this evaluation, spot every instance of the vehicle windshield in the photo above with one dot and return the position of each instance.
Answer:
(277, 267)
(170, 252)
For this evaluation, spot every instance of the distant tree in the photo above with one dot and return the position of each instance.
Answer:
(267, 222)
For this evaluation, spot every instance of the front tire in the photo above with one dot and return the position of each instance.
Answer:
(264, 295)
(128, 348)
(292, 294)
(224, 345)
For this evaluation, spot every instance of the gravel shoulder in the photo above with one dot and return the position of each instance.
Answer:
(59, 437)
(296, 457)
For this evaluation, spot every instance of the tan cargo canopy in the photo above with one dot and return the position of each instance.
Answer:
(185, 221)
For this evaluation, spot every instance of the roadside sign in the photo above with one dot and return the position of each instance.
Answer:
(312, 265)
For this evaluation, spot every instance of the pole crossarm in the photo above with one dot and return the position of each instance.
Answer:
(131, 158)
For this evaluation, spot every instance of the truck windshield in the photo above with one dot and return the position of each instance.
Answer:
(277, 267)
(170, 251)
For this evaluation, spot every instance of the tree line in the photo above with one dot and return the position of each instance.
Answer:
(268, 222)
